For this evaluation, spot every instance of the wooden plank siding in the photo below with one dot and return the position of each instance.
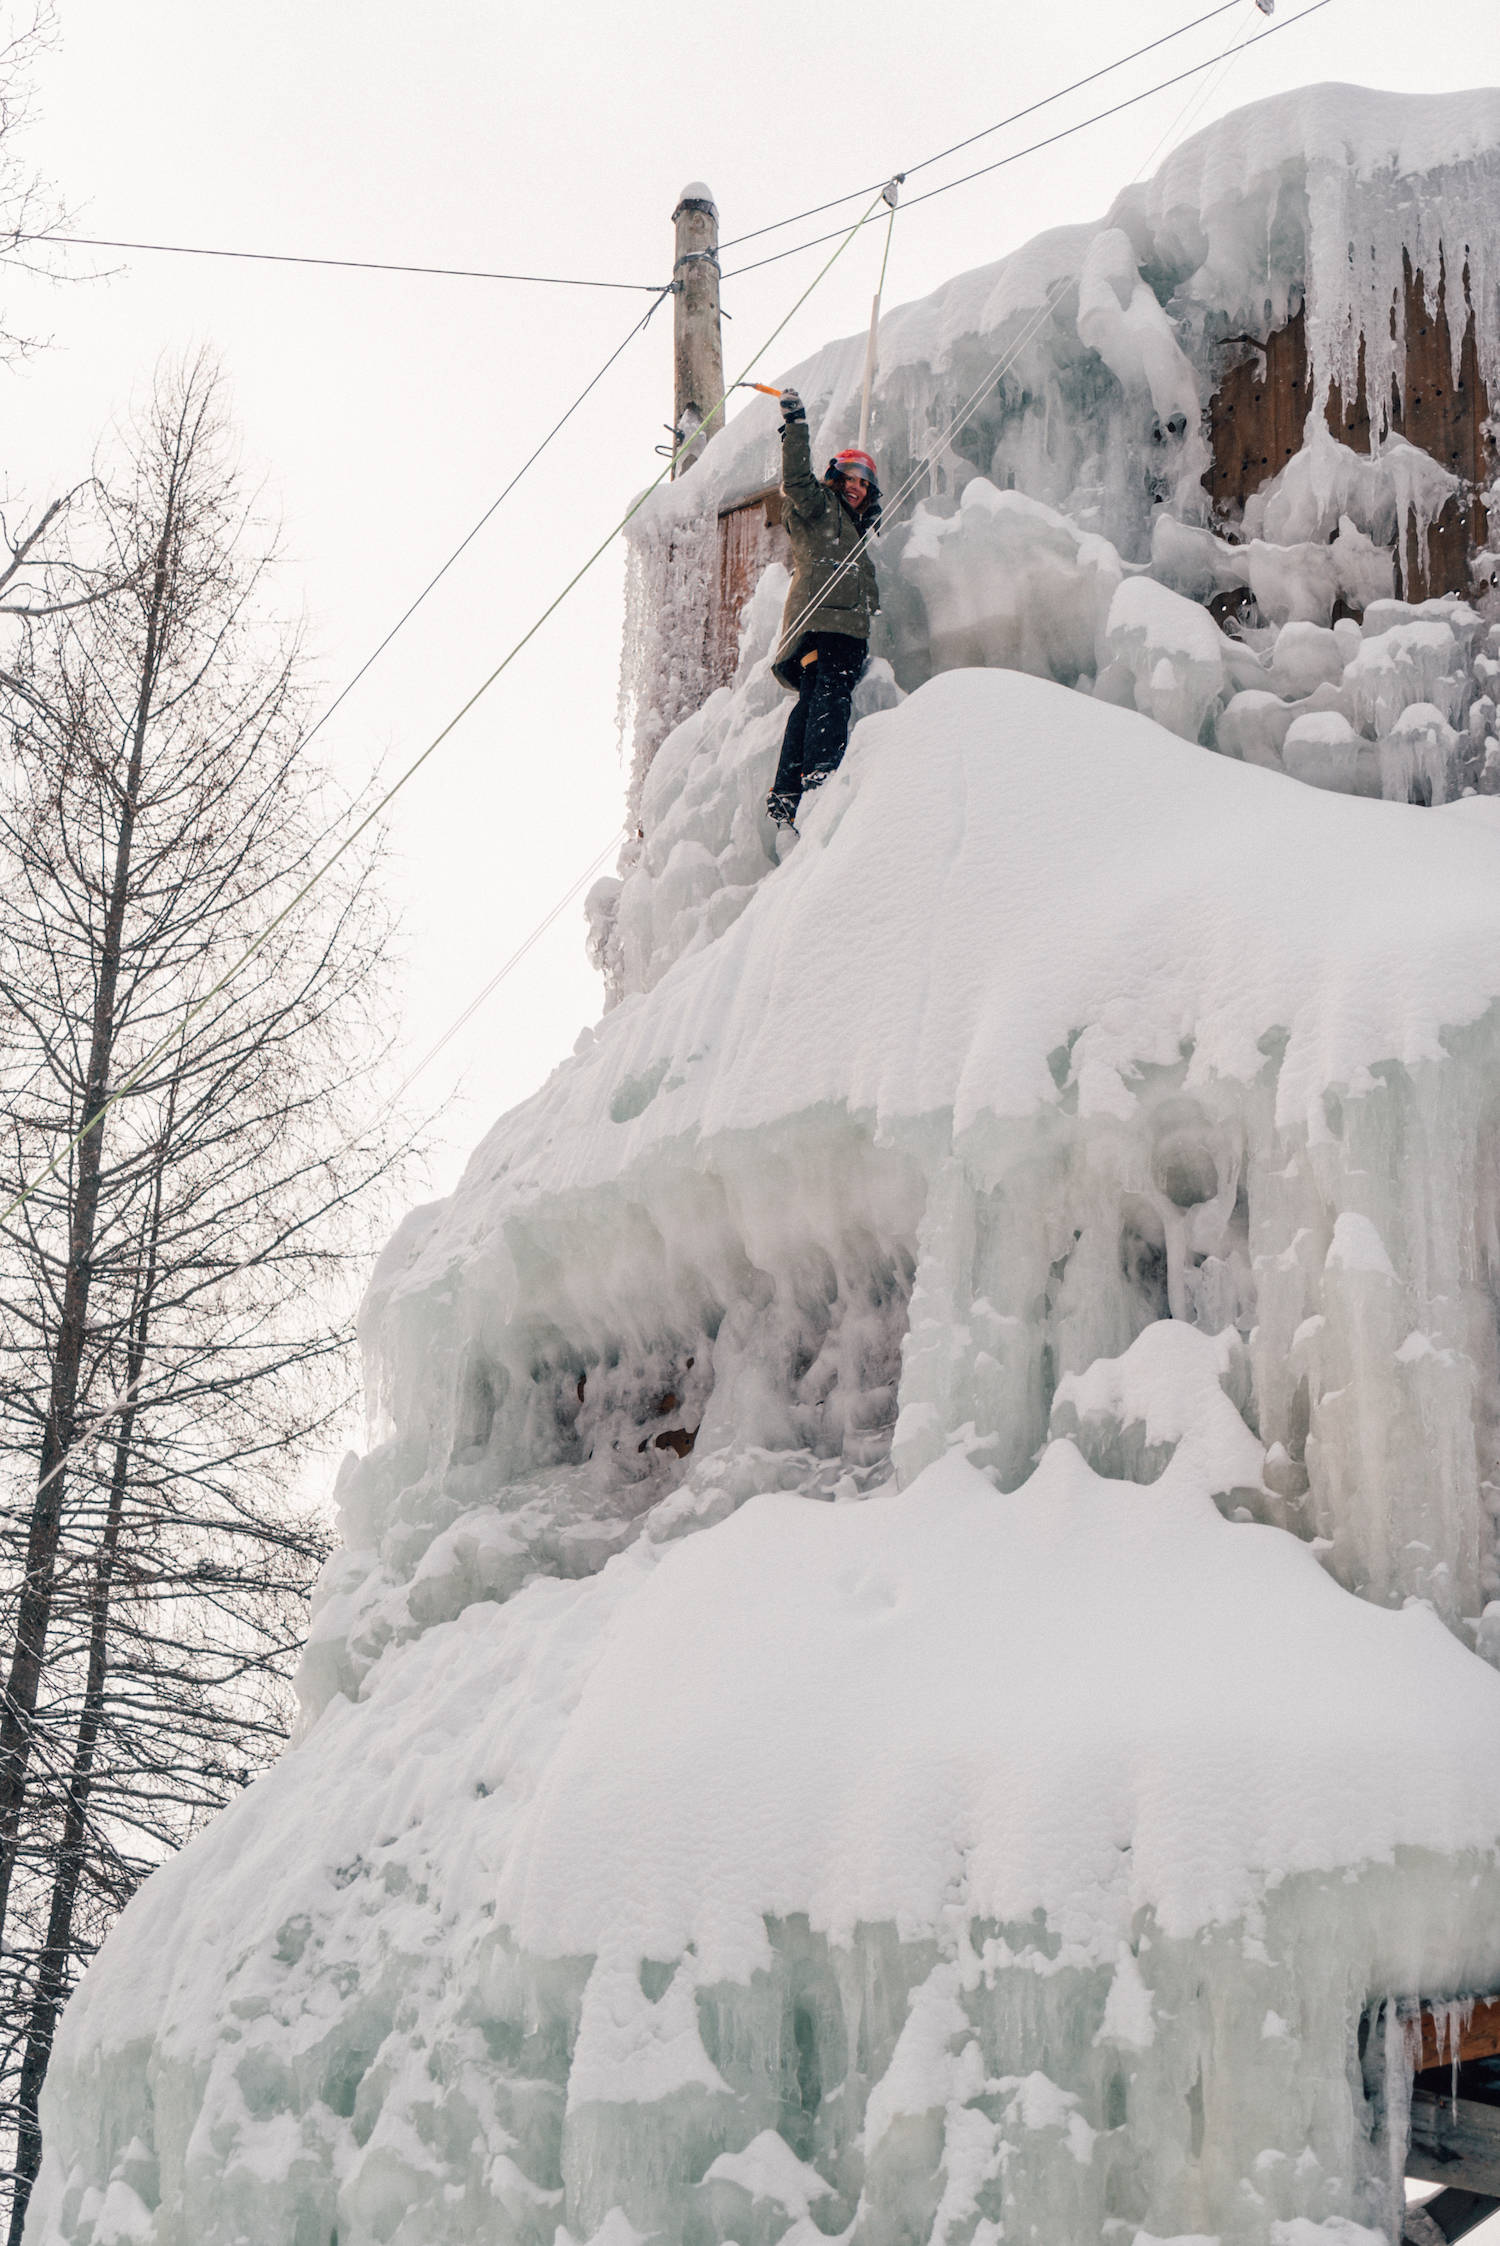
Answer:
(750, 536)
(1257, 414)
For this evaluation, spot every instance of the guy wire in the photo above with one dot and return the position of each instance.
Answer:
(957, 421)
(200, 1005)
(1051, 139)
(121, 1401)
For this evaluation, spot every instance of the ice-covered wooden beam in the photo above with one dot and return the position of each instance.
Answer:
(1441, 2035)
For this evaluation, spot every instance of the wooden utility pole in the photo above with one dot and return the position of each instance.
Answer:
(698, 350)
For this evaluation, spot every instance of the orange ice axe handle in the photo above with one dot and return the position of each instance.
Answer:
(764, 388)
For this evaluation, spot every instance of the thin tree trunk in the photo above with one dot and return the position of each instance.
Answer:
(34, 1610)
(52, 1972)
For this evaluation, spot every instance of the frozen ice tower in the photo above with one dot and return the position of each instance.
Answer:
(911, 1659)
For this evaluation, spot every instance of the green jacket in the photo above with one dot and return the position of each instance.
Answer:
(825, 534)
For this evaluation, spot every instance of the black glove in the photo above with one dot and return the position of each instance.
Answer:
(792, 408)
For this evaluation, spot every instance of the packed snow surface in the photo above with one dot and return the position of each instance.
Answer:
(1082, 877)
(936, 1712)
(813, 1708)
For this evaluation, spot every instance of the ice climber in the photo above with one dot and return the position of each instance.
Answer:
(825, 628)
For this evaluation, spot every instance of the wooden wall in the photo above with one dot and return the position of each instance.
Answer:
(750, 536)
(1257, 414)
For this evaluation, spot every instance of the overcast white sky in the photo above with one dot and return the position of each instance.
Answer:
(385, 412)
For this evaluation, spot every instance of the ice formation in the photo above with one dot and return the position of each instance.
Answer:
(903, 1664)
(1083, 366)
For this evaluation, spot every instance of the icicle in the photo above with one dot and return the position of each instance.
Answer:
(1400, 2069)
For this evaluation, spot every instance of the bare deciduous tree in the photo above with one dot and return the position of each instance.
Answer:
(38, 573)
(174, 1287)
(30, 214)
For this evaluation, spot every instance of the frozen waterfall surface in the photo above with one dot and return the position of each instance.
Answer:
(1059, 1183)
(911, 1658)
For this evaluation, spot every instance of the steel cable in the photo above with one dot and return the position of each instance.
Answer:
(816, 210)
(368, 819)
(1050, 140)
(339, 264)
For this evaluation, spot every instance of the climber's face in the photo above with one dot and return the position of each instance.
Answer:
(856, 491)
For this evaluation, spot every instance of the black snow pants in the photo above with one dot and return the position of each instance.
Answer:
(817, 732)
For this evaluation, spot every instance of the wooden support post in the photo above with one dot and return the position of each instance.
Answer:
(698, 350)
(1452, 2125)
(1455, 2141)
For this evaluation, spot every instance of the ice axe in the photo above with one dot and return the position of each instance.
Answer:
(669, 451)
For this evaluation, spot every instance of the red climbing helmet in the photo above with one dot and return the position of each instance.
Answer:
(852, 462)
